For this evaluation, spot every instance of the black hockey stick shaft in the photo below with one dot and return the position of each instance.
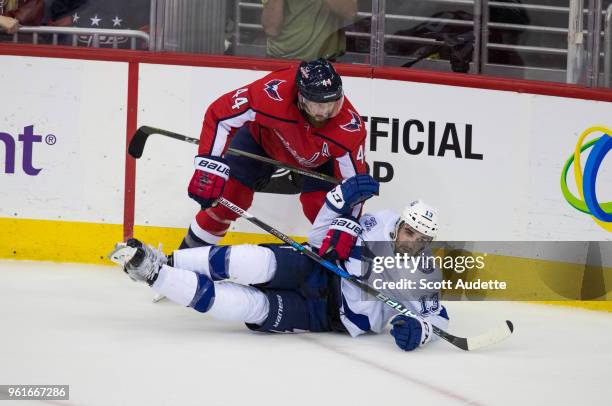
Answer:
(141, 135)
(459, 342)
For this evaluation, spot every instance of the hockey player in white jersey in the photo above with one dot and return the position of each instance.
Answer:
(274, 288)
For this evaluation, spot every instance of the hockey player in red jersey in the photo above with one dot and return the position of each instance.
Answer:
(298, 116)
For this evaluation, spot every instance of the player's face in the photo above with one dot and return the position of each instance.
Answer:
(321, 112)
(410, 241)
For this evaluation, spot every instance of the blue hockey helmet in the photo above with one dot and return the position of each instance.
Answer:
(318, 81)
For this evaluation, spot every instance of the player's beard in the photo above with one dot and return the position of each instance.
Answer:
(316, 122)
(319, 120)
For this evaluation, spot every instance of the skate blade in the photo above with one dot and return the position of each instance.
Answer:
(158, 298)
(122, 254)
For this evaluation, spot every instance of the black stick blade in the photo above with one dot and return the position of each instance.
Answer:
(138, 141)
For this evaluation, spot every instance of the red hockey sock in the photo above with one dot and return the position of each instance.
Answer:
(217, 220)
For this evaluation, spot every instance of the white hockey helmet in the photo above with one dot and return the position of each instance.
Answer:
(421, 217)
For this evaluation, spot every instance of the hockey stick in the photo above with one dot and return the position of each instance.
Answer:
(492, 336)
(141, 135)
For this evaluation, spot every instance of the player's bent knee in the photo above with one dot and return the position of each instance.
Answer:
(251, 264)
(204, 296)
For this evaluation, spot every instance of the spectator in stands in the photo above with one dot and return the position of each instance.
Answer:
(108, 14)
(63, 12)
(8, 25)
(307, 29)
(26, 12)
(455, 42)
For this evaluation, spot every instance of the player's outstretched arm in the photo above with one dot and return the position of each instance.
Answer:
(339, 202)
(350, 193)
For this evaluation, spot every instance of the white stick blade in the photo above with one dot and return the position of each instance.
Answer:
(492, 336)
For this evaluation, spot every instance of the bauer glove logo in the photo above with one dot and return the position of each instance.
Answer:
(214, 167)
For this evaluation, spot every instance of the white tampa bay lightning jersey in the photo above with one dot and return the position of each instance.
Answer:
(359, 312)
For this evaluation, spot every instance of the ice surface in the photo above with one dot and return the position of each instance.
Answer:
(91, 327)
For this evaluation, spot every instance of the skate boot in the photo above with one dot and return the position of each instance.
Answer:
(140, 262)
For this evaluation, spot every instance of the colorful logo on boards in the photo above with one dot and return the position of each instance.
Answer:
(28, 139)
(586, 181)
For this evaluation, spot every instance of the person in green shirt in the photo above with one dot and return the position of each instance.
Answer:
(307, 29)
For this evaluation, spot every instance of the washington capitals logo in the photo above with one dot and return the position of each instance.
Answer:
(354, 124)
(271, 89)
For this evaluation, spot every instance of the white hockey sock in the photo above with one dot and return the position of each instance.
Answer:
(244, 264)
(193, 259)
(251, 264)
(239, 303)
(232, 302)
(178, 285)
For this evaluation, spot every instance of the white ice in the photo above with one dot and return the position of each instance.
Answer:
(93, 328)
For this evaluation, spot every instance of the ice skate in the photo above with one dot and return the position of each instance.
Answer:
(139, 261)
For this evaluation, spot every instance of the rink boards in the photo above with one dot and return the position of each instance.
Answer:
(490, 159)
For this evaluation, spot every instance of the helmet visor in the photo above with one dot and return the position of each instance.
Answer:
(321, 111)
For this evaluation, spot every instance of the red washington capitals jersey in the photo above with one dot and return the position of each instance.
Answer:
(269, 107)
